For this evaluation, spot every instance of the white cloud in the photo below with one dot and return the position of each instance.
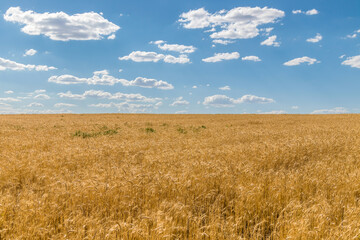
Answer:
(218, 57)
(309, 12)
(59, 105)
(9, 99)
(9, 92)
(149, 83)
(337, 110)
(30, 52)
(225, 101)
(298, 61)
(35, 104)
(251, 58)
(179, 102)
(267, 31)
(295, 107)
(103, 78)
(111, 37)
(271, 41)
(354, 34)
(223, 42)
(61, 26)
(351, 35)
(140, 56)
(352, 61)
(181, 112)
(4, 105)
(42, 96)
(312, 12)
(33, 111)
(342, 56)
(254, 99)
(219, 101)
(316, 39)
(225, 88)
(38, 91)
(194, 86)
(296, 11)
(237, 23)
(275, 112)
(70, 95)
(126, 106)
(6, 64)
(181, 59)
(106, 95)
(174, 47)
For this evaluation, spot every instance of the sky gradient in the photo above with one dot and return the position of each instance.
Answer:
(187, 56)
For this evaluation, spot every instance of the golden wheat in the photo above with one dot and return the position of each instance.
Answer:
(179, 177)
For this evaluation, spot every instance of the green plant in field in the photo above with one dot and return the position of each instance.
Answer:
(109, 132)
(95, 134)
(149, 130)
(181, 130)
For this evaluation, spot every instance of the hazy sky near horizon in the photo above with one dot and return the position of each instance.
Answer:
(191, 56)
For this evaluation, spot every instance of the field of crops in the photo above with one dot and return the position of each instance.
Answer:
(180, 176)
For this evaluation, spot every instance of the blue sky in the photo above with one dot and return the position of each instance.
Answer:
(187, 56)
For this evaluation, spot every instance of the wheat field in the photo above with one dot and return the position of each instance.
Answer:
(118, 176)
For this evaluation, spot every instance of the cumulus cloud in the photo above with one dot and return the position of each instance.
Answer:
(312, 12)
(37, 92)
(225, 88)
(218, 57)
(181, 112)
(298, 61)
(4, 105)
(61, 26)
(271, 41)
(6, 64)
(267, 31)
(9, 99)
(30, 52)
(35, 104)
(9, 92)
(111, 37)
(174, 47)
(275, 112)
(223, 42)
(237, 23)
(219, 101)
(251, 58)
(315, 39)
(42, 96)
(126, 106)
(59, 105)
(225, 101)
(70, 95)
(352, 61)
(103, 78)
(337, 110)
(181, 59)
(132, 97)
(141, 56)
(179, 102)
(309, 12)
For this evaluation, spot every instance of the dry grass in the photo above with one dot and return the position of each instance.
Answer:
(179, 177)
